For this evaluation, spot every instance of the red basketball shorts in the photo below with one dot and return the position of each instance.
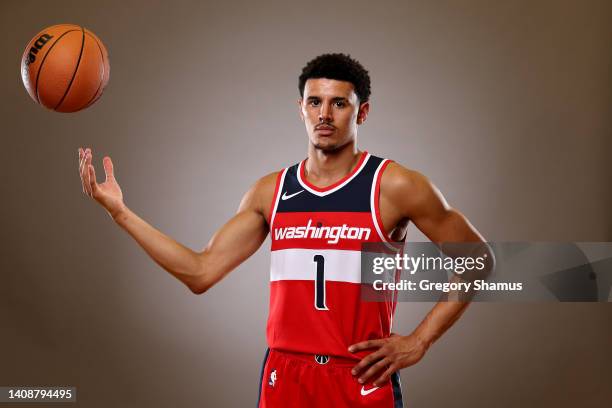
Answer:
(309, 381)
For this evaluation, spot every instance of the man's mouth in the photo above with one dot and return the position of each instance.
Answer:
(324, 129)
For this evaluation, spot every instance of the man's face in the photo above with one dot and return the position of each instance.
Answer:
(331, 112)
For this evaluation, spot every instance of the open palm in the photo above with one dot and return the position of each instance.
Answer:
(108, 194)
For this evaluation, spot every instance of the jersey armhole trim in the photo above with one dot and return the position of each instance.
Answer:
(375, 201)
(280, 179)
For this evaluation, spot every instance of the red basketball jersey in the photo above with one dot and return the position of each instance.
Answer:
(315, 271)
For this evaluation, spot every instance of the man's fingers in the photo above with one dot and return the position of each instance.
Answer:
(380, 381)
(81, 160)
(93, 186)
(366, 345)
(83, 155)
(108, 168)
(375, 368)
(87, 172)
(366, 361)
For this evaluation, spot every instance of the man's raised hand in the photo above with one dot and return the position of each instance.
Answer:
(108, 194)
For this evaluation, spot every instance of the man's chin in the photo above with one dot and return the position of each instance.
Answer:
(328, 144)
(327, 147)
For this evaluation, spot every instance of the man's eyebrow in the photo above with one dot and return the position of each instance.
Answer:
(334, 99)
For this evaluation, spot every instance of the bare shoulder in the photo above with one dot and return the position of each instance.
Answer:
(266, 184)
(409, 190)
(399, 180)
(259, 197)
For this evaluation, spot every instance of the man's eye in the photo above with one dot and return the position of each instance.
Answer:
(314, 103)
(340, 104)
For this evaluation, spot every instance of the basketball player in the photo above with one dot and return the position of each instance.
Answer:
(327, 348)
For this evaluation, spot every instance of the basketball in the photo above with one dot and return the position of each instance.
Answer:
(65, 68)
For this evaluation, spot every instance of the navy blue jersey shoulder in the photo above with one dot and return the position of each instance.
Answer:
(352, 197)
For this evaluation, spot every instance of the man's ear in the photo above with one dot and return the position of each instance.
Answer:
(362, 115)
(299, 101)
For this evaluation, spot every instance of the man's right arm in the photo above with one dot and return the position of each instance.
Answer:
(233, 243)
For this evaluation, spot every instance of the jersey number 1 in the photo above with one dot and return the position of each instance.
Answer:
(320, 283)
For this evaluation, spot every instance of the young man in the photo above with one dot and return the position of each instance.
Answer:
(326, 346)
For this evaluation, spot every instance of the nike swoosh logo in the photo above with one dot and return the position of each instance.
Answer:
(366, 392)
(286, 197)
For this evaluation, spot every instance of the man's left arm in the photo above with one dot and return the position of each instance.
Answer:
(407, 194)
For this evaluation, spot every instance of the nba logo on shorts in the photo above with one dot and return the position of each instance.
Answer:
(321, 359)
(272, 379)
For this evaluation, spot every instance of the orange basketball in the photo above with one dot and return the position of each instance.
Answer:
(65, 68)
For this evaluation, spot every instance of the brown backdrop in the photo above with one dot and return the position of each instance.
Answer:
(504, 105)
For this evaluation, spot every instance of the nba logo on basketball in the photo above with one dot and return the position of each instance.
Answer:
(272, 379)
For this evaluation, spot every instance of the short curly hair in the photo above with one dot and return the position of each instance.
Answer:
(340, 67)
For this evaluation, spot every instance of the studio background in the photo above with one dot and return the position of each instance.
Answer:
(505, 106)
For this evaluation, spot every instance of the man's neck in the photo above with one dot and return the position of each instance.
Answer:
(325, 168)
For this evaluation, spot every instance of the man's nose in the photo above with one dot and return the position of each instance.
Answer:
(325, 113)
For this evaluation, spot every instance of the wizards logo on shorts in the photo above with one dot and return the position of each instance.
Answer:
(272, 379)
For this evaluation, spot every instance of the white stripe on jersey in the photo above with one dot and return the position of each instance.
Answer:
(278, 195)
(299, 264)
(372, 202)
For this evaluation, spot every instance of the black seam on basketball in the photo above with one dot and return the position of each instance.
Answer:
(75, 70)
(93, 98)
(43, 62)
